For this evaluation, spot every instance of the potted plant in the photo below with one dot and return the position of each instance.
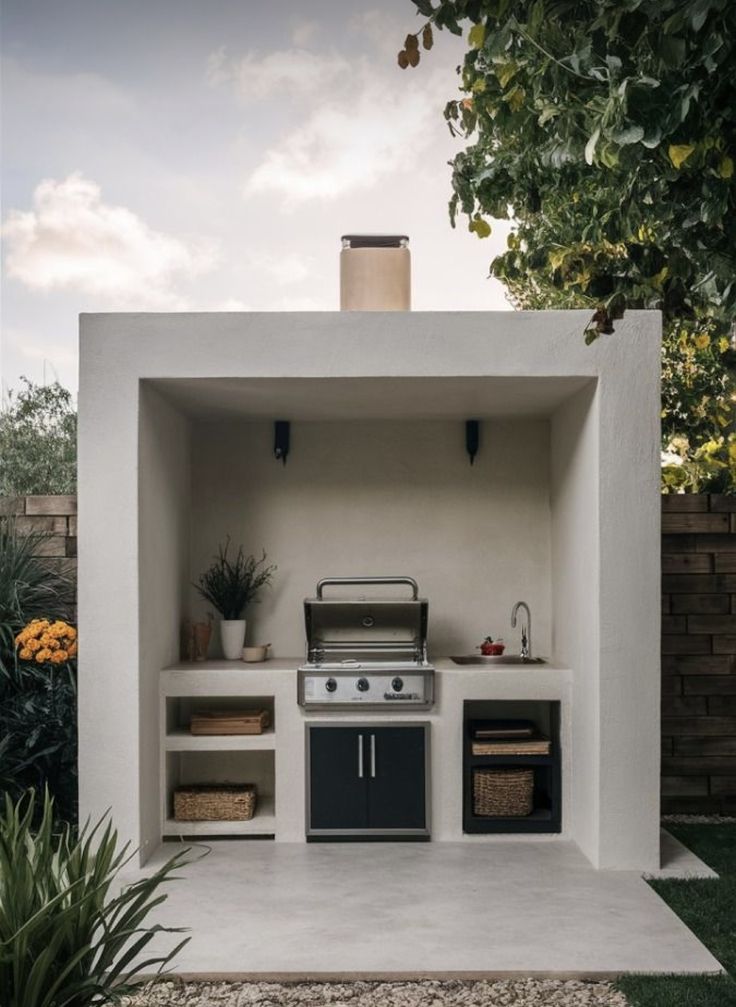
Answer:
(229, 586)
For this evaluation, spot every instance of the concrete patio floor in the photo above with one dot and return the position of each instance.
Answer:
(412, 909)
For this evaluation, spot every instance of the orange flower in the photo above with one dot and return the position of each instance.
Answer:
(43, 640)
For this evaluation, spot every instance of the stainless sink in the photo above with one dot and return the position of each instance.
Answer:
(500, 660)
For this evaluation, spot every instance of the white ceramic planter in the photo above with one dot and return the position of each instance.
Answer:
(232, 635)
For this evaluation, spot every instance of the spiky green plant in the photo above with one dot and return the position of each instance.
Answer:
(229, 586)
(38, 735)
(70, 934)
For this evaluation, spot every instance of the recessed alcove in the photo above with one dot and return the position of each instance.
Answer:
(560, 509)
(378, 480)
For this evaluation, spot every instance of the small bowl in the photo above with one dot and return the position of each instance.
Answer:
(254, 655)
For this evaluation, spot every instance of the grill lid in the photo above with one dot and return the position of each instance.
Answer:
(366, 628)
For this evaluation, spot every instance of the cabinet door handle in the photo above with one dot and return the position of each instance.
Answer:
(360, 756)
(373, 756)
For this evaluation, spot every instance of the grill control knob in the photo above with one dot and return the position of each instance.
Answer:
(330, 685)
(363, 685)
(397, 684)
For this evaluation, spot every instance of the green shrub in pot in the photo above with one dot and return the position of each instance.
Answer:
(230, 585)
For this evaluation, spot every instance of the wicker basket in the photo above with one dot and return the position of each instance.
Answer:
(503, 792)
(221, 802)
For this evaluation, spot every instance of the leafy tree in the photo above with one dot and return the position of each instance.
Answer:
(606, 131)
(38, 441)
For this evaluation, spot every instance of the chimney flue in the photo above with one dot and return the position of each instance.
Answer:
(375, 272)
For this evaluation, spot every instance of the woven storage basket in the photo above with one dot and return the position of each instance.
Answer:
(229, 722)
(503, 792)
(230, 802)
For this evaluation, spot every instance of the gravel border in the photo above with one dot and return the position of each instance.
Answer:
(427, 993)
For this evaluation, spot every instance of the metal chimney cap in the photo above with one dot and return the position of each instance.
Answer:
(375, 240)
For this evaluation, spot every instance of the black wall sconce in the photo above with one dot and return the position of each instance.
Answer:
(281, 436)
(472, 438)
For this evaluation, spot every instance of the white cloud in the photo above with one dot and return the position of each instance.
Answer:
(356, 135)
(287, 268)
(231, 304)
(35, 348)
(72, 240)
(303, 32)
(386, 32)
(354, 117)
(296, 71)
(304, 303)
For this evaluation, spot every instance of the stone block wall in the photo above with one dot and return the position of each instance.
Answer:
(56, 517)
(699, 654)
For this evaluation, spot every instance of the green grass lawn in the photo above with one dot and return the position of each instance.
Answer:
(708, 908)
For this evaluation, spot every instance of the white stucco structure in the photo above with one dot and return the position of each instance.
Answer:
(561, 509)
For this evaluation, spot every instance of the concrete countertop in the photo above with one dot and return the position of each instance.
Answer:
(444, 665)
(274, 664)
(452, 682)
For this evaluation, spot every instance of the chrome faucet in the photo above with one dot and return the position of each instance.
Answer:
(526, 630)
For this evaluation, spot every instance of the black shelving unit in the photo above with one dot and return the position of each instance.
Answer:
(546, 815)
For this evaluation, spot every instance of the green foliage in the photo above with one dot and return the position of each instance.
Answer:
(708, 908)
(38, 705)
(38, 735)
(69, 935)
(606, 131)
(229, 586)
(678, 991)
(29, 589)
(38, 441)
(716, 845)
(708, 468)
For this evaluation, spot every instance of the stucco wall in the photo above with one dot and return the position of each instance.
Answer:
(163, 543)
(518, 354)
(575, 594)
(391, 497)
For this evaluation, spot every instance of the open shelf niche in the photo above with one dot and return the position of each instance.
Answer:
(546, 815)
(229, 758)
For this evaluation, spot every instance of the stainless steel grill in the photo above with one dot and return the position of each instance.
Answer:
(367, 651)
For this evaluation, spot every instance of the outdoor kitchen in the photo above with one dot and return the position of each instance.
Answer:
(377, 482)
(358, 499)
(361, 563)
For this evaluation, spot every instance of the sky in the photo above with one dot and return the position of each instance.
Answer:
(207, 155)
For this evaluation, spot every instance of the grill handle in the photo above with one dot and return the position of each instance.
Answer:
(409, 581)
